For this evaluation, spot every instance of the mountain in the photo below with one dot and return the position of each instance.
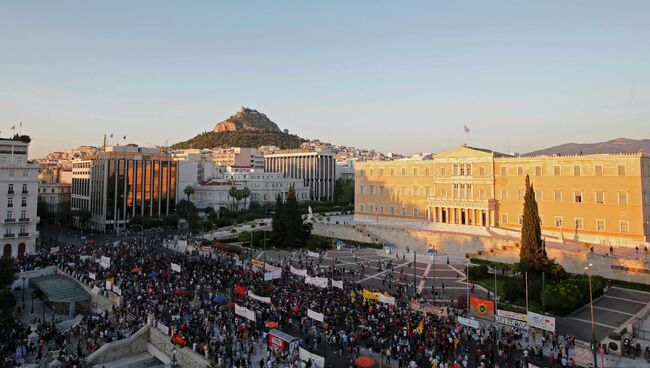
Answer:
(246, 119)
(618, 145)
(247, 128)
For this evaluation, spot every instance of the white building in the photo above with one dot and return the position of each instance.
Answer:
(238, 157)
(19, 182)
(345, 169)
(55, 195)
(315, 169)
(264, 188)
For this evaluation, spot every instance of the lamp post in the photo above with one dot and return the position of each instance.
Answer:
(434, 275)
(467, 286)
(591, 306)
(23, 291)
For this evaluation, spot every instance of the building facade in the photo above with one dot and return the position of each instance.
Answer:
(603, 199)
(316, 169)
(238, 157)
(123, 182)
(19, 184)
(56, 195)
(264, 188)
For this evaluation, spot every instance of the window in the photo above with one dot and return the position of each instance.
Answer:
(25, 172)
(392, 210)
(23, 215)
(392, 172)
(361, 189)
(600, 197)
(600, 225)
(576, 170)
(442, 171)
(469, 169)
(538, 171)
(403, 191)
(539, 195)
(372, 189)
(362, 172)
(578, 223)
(415, 212)
(504, 194)
(556, 171)
(415, 172)
(621, 170)
(622, 197)
(462, 169)
(403, 211)
(557, 195)
(426, 171)
(372, 208)
(403, 172)
(481, 171)
(10, 202)
(504, 218)
(624, 226)
(646, 198)
(372, 172)
(521, 219)
(23, 230)
(443, 193)
(520, 194)
(11, 173)
(381, 172)
(577, 196)
(482, 193)
(10, 215)
(381, 190)
(11, 189)
(558, 221)
(381, 210)
(503, 171)
(361, 208)
(520, 171)
(599, 170)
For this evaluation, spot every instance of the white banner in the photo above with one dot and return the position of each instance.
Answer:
(91, 275)
(181, 243)
(176, 267)
(313, 254)
(320, 282)
(387, 299)
(468, 322)
(117, 290)
(318, 360)
(109, 284)
(337, 284)
(95, 290)
(268, 276)
(244, 312)
(512, 315)
(269, 267)
(541, 321)
(164, 329)
(105, 262)
(315, 315)
(263, 299)
(298, 272)
(510, 322)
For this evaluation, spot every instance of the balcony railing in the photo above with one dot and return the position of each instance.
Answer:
(23, 235)
(10, 204)
(23, 219)
(9, 235)
(11, 192)
(25, 191)
(10, 220)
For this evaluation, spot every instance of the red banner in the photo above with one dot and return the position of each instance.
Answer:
(481, 308)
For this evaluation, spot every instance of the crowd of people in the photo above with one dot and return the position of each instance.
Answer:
(196, 306)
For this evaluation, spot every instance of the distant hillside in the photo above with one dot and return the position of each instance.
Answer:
(241, 138)
(247, 128)
(618, 145)
(247, 119)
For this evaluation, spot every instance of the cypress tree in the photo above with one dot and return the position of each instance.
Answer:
(296, 231)
(532, 254)
(278, 227)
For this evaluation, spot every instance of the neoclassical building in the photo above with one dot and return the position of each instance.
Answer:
(603, 198)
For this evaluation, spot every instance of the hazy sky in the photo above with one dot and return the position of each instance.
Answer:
(393, 75)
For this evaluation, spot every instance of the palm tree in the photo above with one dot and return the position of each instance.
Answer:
(234, 193)
(245, 193)
(189, 190)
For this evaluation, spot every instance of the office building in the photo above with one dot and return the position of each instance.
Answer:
(316, 169)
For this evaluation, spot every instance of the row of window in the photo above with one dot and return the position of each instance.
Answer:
(10, 189)
(12, 173)
(23, 215)
(23, 202)
(577, 196)
(379, 210)
(9, 232)
(557, 170)
(457, 170)
(578, 223)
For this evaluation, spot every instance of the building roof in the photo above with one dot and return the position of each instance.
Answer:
(60, 289)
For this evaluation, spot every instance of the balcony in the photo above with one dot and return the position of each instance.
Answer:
(10, 204)
(25, 191)
(10, 220)
(23, 219)
(23, 235)
(9, 235)
(11, 192)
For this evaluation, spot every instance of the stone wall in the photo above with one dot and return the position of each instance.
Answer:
(133, 345)
(346, 232)
(185, 357)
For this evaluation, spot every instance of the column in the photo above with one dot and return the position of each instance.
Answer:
(492, 213)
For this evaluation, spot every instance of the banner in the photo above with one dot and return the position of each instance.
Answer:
(105, 262)
(337, 284)
(268, 276)
(95, 290)
(317, 360)
(298, 272)
(117, 290)
(244, 312)
(387, 299)
(481, 308)
(91, 275)
(541, 321)
(176, 267)
(270, 267)
(339, 244)
(315, 315)
(109, 283)
(54, 249)
(512, 315)
(468, 322)
(320, 282)
(429, 308)
(367, 294)
(257, 263)
(313, 254)
(263, 299)
(164, 329)
(510, 322)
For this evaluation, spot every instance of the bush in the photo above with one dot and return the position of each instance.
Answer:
(563, 297)
(478, 272)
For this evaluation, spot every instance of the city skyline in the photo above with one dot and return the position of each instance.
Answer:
(527, 76)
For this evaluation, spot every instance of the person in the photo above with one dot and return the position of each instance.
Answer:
(611, 250)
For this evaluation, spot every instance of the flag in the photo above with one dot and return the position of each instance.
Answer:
(111, 135)
(13, 127)
(240, 290)
(353, 296)
(466, 129)
(21, 123)
(124, 137)
(482, 308)
(420, 327)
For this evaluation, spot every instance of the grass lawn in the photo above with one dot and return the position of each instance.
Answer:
(517, 305)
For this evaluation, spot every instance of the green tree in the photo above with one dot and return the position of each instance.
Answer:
(245, 193)
(344, 191)
(278, 227)
(7, 299)
(532, 254)
(234, 194)
(83, 216)
(43, 210)
(297, 232)
(189, 190)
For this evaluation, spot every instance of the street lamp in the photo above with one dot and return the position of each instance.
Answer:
(23, 291)
(591, 305)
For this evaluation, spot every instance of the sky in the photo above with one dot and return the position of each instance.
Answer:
(396, 76)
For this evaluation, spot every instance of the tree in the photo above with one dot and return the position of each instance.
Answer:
(278, 227)
(245, 193)
(189, 190)
(83, 216)
(7, 299)
(344, 191)
(43, 210)
(234, 193)
(532, 253)
(297, 232)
